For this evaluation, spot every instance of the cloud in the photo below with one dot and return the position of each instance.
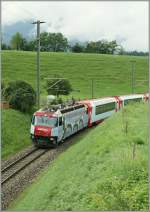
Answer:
(125, 21)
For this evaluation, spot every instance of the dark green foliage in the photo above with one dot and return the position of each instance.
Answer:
(77, 48)
(56, 87)
(57, 101)
(102, 46)
(55, 42)
(2, 85)
(17, 41)
(138, 140)
(5, 47)
(2, 89)
(135, 53)
(21, 95)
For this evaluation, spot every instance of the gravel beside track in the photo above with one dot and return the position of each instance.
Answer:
(16, 184)
(15, 157)
(16, 166)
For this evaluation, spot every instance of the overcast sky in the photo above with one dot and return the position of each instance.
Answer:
(127, 22)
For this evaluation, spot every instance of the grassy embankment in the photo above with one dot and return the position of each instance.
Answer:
(111, 73)
(15, 132)
(111, 77)
(106, 170)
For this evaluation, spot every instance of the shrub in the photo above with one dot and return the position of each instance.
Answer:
(21, 95)
(56, 87)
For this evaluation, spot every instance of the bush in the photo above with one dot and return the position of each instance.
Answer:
(21, 95)
(54, 87)
(2, 88)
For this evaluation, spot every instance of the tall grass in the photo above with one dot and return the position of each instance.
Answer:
(15, 131)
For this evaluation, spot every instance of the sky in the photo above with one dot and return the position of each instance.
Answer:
(126, 22)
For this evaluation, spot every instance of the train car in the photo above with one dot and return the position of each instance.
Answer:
(50, 127)
(100, 109)
(131, 98)
(146, 97)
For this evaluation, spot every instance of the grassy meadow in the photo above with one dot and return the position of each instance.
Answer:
(111, 73)
(106, 170)
(15, 132)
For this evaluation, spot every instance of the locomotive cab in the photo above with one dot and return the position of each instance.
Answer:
(46, 129)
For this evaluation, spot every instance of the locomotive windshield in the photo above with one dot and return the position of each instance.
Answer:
(45, 121)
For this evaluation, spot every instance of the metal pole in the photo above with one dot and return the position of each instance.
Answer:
(38, 64)
(133, 77)
(38, 61)
(92, 89)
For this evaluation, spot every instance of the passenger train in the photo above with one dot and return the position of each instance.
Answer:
(49, 126)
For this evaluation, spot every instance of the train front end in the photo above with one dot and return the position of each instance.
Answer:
(44, 129)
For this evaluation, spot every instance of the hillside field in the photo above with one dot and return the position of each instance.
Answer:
(15, 132)
(111, 73)
(106, 170)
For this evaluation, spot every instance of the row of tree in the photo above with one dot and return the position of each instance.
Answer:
(57, 42)
(49, 42)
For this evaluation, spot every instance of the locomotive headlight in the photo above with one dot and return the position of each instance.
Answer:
(32, 136)
(51, 138)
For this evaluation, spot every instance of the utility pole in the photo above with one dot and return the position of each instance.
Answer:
(92, 88)
(38, 60)
(133, 76)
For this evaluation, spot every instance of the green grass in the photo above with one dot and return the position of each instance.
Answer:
(15, 132)
(111, 77)
(99, 172)
(111, 73)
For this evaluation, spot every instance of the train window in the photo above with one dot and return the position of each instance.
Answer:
(105, 108)
(32, 120)
(127, 101)
(60, 121)
(66, 110)
(46, 121)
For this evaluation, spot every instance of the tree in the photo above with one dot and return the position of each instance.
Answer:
(21, 95)
(2, 88)
(16, 41)
(112, 46)
(77, 48)
(44, 41)
(101, 46)
(56, 87)
(53, 42)
(31, 45)
(57, 42)
(5, 46)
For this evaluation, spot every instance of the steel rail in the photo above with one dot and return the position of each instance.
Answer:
(18, 160)
(21, 168)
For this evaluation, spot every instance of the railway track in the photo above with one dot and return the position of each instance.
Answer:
(16, 166)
